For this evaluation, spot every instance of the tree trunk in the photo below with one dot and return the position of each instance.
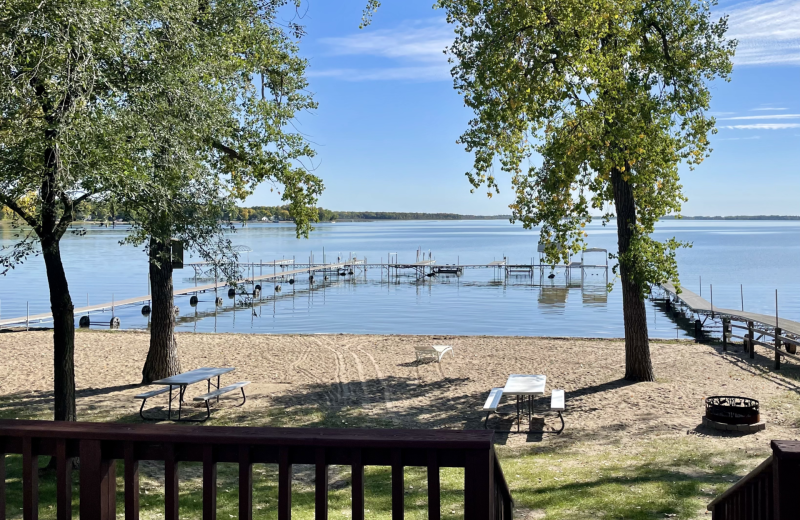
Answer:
(162, 358)
(638, 366)
(63, 332)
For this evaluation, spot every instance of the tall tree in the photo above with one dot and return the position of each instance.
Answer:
(612, 94)
(224, 84)
(60, 72)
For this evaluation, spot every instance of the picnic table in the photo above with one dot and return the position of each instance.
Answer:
(182, 381)
(525, 387)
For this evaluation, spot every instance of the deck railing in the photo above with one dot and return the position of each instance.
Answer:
(99, 445)
(769, 492)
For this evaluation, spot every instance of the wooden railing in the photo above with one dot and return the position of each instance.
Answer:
(769, 492)
(99, 445)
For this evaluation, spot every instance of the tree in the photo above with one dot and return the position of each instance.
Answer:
(612, 95)
(223, 83)
(60, 72)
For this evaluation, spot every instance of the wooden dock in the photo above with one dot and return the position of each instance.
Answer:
(39, 318)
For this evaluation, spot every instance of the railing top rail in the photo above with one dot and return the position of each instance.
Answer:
(251, 435)
(744, 480)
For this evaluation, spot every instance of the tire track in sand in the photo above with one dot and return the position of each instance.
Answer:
(367, 399)
(295, 365)
(386, 395)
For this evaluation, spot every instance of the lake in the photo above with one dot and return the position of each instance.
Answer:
(753, 257)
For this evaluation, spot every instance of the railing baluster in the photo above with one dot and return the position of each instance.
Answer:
(321, 486)
(63, 482)
(358, 485)
(98, 483)
(30, 481)
(434, 487)
(209, 483)
(478, 485)
(284, 485)
(2, 485)
(171, 504)
(245, 484)
(398, 490)
(131, 483)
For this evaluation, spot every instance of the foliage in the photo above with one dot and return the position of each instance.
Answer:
(610, 94)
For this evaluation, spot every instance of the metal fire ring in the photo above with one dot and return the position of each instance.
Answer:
(731, 409)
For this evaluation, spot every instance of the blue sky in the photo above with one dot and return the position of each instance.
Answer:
(389, 118)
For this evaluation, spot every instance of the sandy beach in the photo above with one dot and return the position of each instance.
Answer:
(374, 381)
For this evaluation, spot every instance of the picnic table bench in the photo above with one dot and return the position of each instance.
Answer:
(182, 381)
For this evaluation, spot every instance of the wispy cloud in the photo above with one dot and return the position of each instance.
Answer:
(763, 126)
(412, 51)
(771, 116)
(768, 32)
(765, 109)
(739, 138)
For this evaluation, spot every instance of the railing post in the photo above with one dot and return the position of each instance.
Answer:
(209, 483)
(786, 479)
(170, 483)
(284, 485)
(246, 484)
(2, 484)
(398, 489)
(131, 483)
(321, 485)
(358, 485)
(30, 481)
(479, 485)
(751, 337)
(778, 348)
(434, 487)
(98, 483)
(63, 482)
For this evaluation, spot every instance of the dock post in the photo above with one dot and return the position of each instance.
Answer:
(777, 348)
(725, 324)
(750, 338)
(698, 327)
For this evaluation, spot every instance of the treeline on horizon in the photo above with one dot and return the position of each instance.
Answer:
(103, 210)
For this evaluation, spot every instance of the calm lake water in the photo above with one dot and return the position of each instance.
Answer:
(761, 256)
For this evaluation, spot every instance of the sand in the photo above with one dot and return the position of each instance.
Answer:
(351, 380)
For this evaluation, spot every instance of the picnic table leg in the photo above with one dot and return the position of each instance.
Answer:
(169, 412)
(217, 389)
(518, 414)
(180, 401)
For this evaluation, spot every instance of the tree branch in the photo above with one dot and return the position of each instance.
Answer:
(16, 208)
(69, 210)
(664, 43)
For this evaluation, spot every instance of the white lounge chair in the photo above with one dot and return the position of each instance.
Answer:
(434, 352)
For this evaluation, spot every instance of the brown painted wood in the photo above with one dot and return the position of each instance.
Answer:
(2, 486)
(434, 487)
(209, 483)
(245, 484)
(479, 485)
(398, 485)
(131, 483)
(321, 486)
(284, 485)
(171, 495)
(98, 483)
(786, 479)
(64, 465)
(357, 485)
(30, 481)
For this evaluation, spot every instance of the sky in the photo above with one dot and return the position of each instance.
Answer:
(388, 118)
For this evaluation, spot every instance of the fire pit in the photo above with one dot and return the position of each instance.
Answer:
(729, 412)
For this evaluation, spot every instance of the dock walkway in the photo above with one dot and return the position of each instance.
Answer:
(700, 305)
(38, 318)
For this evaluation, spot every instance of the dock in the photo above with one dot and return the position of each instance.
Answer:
(757, 327)
(309, 269)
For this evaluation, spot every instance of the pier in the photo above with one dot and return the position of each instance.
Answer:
(755, 328)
